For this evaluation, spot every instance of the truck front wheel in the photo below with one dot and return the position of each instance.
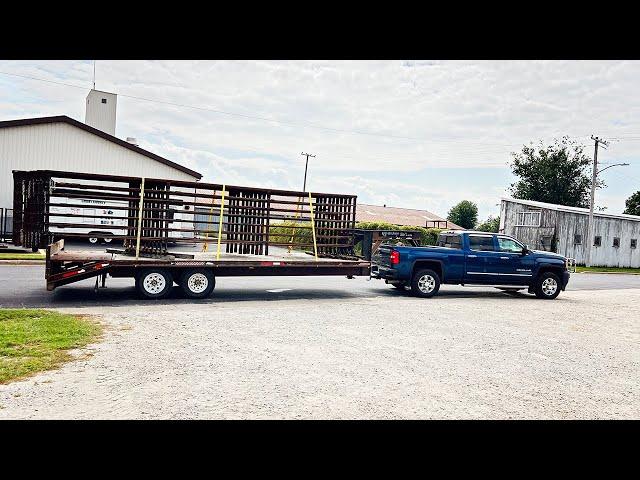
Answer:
(197, 282)
(547, 286)
(425, 283)
(154, 283)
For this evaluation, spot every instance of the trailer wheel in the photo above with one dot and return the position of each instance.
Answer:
(93, 240)
(197, 282)
(154, 283)
(425, 283)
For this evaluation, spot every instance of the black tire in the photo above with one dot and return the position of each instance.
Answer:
(197, 282)
(154, 283)
(425, 287)
(544, 286)
(35, 249)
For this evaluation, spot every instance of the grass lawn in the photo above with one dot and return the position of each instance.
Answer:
(608, 269)
(22, 256)
(36, 340)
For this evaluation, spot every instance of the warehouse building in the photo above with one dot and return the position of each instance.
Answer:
(562, 229)
(62, 143)
(402, 216)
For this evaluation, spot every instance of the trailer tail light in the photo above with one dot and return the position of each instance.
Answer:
(394, 257)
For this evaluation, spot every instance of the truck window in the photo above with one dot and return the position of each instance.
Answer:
(481, 242)
(509, 245)
(450, 241)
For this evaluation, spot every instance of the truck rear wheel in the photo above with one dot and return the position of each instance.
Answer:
(425, 283)
(197, 282)
(547, 286)
(154, 283)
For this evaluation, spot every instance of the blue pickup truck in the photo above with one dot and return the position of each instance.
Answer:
(471, 258)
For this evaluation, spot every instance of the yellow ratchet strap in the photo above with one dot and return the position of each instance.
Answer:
(313, 228)
(140, 205)
(220, 224)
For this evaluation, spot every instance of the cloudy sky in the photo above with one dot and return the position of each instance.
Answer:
(416, 134)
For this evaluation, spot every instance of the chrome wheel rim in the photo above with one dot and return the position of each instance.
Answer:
(198, 282)
(107, 240)
(549, 286)
(154, 283)
(426, 283)
(93, 239)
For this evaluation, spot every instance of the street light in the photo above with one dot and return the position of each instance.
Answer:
(614, 165)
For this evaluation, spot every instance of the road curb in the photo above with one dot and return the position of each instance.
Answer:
(22, 262)
(608, 273)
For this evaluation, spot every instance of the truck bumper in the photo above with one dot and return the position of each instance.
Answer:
(565, 279)
(384, 272)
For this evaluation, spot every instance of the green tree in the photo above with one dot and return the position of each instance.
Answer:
(633, 204)
(558, 173)
(464, 214)
(492, 224)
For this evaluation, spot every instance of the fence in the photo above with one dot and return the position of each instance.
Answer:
(238, 219)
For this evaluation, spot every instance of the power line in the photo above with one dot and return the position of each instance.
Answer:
(255, 117)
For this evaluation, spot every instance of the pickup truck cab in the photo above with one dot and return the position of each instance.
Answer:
(471, 258)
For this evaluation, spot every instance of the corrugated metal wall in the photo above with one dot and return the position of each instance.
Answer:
(59, 146)
(571, 224)
(565, 225)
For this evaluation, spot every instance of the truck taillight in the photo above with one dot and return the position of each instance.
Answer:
(394, 257)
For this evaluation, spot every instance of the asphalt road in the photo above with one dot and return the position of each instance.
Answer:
(24, 286)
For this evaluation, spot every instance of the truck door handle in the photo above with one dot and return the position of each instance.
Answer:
(504, 258)
(471, 256)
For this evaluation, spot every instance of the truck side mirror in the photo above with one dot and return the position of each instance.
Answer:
(525, 250)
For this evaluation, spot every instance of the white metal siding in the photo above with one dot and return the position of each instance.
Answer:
(60, 146)
(101, 115)
(565, 225)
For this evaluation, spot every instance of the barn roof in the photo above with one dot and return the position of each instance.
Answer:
(400, 216)
(100, 133)
(565, 208)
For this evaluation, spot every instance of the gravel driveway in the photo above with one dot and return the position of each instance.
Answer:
(389, 356)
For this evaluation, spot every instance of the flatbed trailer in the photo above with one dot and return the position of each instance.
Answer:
(155, 276)
(236, 227)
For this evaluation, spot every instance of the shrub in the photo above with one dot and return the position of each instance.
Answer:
(428, 236)
(281, 233)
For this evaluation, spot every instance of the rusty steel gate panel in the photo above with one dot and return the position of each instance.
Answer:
(155, 213)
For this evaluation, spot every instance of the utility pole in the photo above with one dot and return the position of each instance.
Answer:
(594, 178)
(304, 185)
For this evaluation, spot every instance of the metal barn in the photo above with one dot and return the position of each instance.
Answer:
(562, 229)
(62, 143)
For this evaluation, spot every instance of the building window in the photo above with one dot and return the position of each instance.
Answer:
(597, 241)
(546, 241)
(634, 243)
(616, 242)
(104, 100)
(529, 219)
(577, 239)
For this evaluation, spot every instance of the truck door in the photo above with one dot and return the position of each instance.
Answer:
(514, 267)
(482, 259)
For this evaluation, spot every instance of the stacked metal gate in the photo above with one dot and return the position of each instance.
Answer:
(159, 212)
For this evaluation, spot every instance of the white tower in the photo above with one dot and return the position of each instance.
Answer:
(101, 111)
